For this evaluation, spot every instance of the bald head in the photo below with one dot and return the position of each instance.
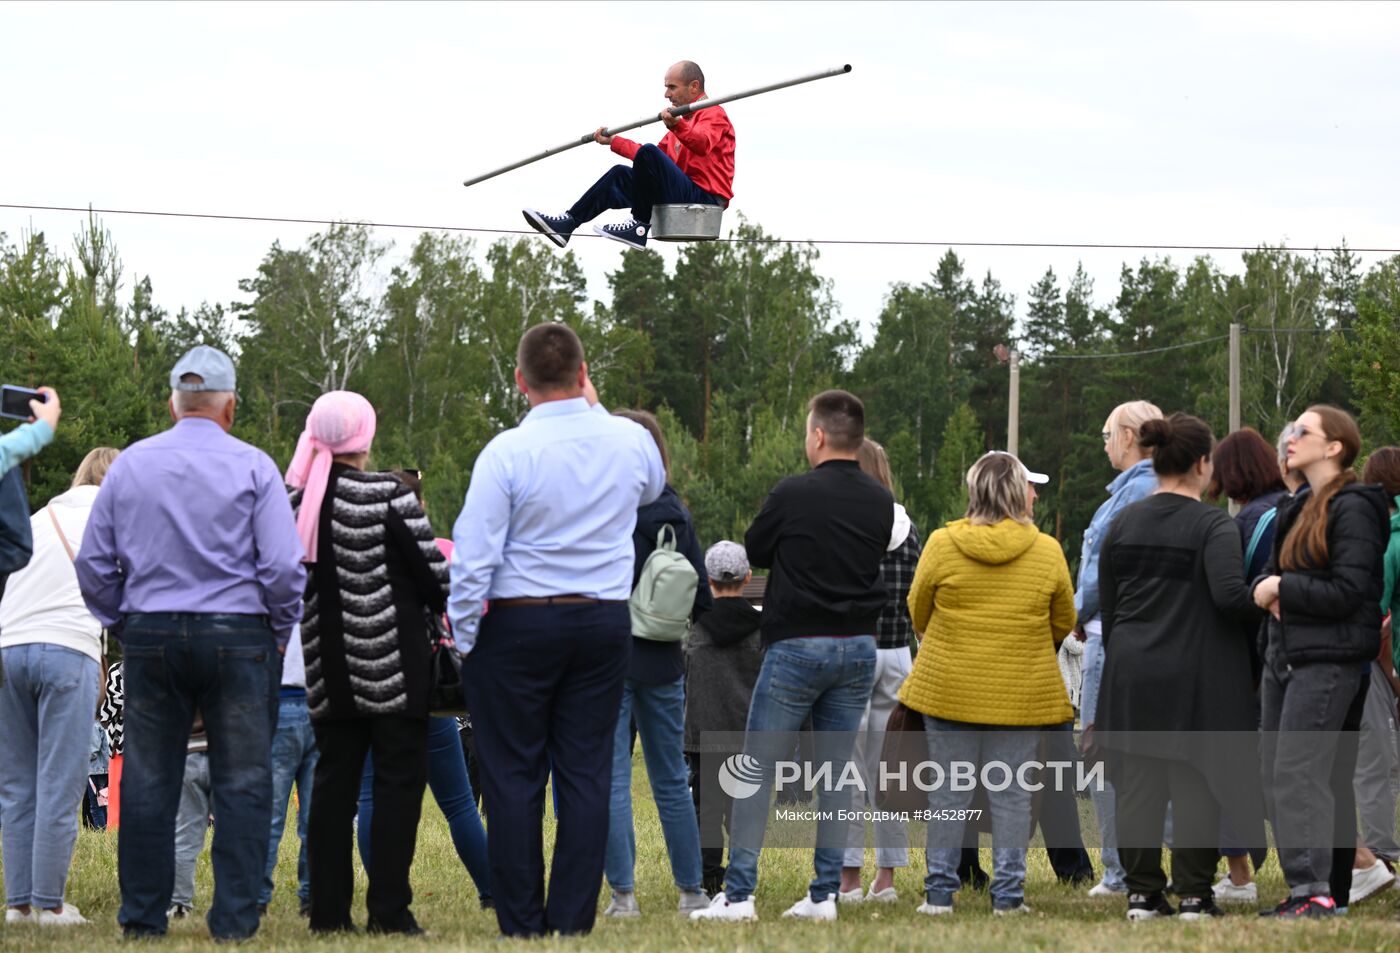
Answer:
(685, 83)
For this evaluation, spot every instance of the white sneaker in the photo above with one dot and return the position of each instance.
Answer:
(1102, 889)
(887, 895)
(807, 909)
(623, 906)
(934, 910)
(1227, 891)
(722, 909)
(70, 917)
(851, 896)
(1366, 881)
(1017, 910)
(18, 916)
(692, 900)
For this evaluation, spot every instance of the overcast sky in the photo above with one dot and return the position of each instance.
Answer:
(1193, 123)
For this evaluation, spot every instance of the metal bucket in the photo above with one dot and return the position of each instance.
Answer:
(686, 223)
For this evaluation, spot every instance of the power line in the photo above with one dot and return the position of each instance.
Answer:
(286, 220)
(1210, 340)
(1150, 350)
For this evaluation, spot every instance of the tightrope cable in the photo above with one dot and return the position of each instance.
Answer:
(288, 220)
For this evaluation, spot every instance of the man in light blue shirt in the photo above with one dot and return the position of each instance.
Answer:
(545, 538)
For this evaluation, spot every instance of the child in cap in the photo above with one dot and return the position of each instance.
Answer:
(722, 657)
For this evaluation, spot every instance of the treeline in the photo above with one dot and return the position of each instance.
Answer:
(727, 348)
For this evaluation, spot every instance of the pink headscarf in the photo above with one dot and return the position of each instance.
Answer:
(340, 421)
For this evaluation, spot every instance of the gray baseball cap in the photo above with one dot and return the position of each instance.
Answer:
(726, 561)
(211, 364)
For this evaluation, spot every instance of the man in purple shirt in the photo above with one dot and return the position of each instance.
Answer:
(192, 553)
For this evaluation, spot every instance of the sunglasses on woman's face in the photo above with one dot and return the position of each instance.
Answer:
(1298, 432)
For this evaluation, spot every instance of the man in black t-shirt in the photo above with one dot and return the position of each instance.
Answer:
(822, 535)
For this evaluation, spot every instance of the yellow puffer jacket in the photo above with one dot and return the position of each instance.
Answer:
(993, 603)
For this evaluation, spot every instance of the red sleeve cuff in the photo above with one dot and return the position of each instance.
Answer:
(624, 147)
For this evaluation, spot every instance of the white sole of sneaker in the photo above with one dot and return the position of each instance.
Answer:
(540, 225)
(598, 230)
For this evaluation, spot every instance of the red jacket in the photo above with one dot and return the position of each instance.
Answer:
(702, 145)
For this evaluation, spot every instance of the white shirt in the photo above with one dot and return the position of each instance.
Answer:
(550, 511)
(294, 663)
(42, 602)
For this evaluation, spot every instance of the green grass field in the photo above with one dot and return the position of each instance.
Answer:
(446, 905)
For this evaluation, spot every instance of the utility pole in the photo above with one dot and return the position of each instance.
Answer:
(1234, 377)
(1234, 389)
(1013, 407)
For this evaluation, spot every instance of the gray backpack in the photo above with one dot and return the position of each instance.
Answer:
(665, 592)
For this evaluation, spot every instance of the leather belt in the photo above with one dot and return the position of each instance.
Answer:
(569, 600)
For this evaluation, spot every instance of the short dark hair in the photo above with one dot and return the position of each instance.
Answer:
(1177, 443)
(841, 416)
(691, 73)
(1245, 467)
(1383, 467)
(549, 356)
(412, 480)
(652, 426)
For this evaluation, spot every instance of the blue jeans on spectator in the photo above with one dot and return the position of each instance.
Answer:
(653, 178)
(46, 709)
(950, 741)
(293, 762)
(452, 790)
(227, 667)
(660, 714)
(1113, 874)
(191, 824)
(830, 679)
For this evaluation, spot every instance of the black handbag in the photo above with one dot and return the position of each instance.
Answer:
(445, 693)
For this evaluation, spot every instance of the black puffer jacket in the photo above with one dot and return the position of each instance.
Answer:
(1332, 613)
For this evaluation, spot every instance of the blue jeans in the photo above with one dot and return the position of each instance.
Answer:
(1113, 873)
(227, 667)
(660, 714)
(829, 679)
(452, 790)
(293, 762)
(950, 741)
(652, 179)
(46, 707)
(191, 824)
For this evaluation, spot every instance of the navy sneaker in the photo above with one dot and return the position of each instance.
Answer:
(557, 228)
(1303, 908)
(631, 232)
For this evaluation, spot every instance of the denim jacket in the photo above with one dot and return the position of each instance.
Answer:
(1134, 483)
